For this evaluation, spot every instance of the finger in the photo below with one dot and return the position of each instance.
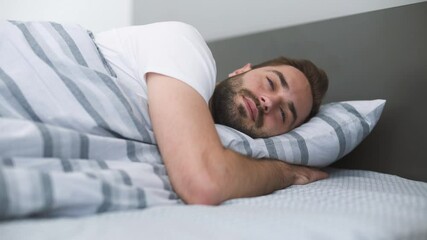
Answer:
(308, 175)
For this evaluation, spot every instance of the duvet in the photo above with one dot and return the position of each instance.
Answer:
(73, 141)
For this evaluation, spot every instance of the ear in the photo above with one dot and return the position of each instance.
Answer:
(243, 69)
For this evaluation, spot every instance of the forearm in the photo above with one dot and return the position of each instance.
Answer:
(231, 175)
(240, 176)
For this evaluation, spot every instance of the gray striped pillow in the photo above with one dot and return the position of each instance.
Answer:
(335, 131)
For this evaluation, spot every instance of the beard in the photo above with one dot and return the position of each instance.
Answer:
(227, 112)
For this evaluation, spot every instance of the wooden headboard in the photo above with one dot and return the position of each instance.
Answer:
(375, 55)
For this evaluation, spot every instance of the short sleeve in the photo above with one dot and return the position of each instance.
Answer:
(174, 49)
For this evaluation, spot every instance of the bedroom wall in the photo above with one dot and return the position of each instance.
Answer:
(96, 15)
(215, 19)
(375, 55)
(224, 18)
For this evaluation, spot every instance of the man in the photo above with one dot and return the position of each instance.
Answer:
(276, 96)
(169, 65)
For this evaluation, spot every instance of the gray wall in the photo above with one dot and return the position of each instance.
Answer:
(381, 54)
(221, 19)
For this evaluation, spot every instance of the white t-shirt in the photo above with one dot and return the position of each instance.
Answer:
(174, 49)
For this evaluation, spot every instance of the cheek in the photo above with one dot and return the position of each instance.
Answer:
(255, 86)
(272, 122)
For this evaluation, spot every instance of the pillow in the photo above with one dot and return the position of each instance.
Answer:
(334, 132)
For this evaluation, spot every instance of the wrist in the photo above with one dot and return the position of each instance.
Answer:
(287, 173)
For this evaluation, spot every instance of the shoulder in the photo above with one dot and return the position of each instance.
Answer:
(189, 58)
(174, 49)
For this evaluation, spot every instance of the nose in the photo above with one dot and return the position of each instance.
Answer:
(266, 103)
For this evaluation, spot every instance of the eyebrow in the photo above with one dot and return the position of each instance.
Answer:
(282, 78)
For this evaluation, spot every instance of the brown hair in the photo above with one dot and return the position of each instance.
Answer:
(316, 77)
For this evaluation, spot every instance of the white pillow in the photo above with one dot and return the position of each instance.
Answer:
(334, 132)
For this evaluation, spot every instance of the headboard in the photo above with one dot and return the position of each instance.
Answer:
(375, 55)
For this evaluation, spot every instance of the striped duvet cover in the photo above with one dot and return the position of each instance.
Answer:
(72, 142)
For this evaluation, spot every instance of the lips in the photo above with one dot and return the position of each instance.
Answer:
(251, 107)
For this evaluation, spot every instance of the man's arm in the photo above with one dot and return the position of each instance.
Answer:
(200, 169)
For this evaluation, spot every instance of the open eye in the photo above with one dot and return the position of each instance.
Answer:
(271, 83)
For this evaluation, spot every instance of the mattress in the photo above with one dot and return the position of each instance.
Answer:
(350, 204)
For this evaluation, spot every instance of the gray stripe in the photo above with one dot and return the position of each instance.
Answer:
(47, 140)
(272, 153)
(101, 56)
(131, 151)
(78, 94)
(47, 191)
(107, 202)
(113, 88)
(245, 142)
(173, 195)
(102, 164)
(19, 96)
(159, 171)
(4, 195)
(338, 131)
(9, 107)
(91, 175)
(16, 92)
(105, 78)
(66, 165)
(125, 176)
(8, 162)
(84, 146)
(352, 110)
(142, 201)
(70, 42)
(302, 146)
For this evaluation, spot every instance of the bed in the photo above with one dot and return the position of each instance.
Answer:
(85, 180)
(351, 204)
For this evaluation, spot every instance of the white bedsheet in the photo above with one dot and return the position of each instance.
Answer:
(351, 204)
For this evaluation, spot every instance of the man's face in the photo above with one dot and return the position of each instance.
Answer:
(263, 102)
